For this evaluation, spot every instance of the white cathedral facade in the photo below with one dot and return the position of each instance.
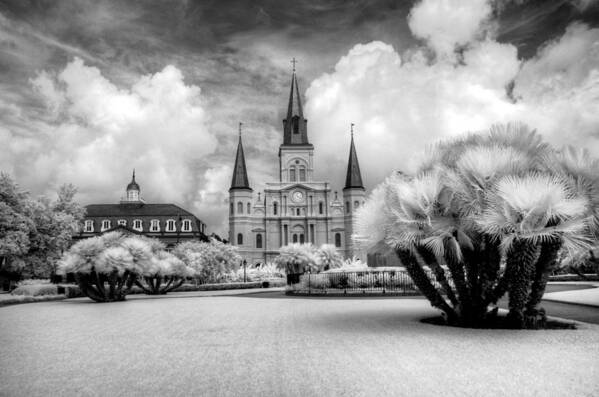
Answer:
(296, 208)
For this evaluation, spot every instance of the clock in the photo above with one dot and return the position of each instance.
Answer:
(297, 196)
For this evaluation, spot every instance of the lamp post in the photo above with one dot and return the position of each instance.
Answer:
(179, 228)
(244, 265)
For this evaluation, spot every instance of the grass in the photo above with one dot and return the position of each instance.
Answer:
(276, 347)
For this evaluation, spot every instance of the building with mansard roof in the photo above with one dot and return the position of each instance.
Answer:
(167, 222)
(296, 208)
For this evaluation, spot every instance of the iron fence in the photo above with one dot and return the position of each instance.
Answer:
(378, 282)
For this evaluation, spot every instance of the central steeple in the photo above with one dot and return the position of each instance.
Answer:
(295, 129)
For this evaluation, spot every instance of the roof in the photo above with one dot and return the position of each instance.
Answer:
(240, 173)
(353, 179)
(97, 210)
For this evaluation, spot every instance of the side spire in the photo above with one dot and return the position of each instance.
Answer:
(353, 180)
(240, 175)
(294, 126)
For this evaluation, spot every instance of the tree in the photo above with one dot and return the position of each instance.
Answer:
(104, 269)
(487, 214)
(15, 226)
(209, 261)
(34, 233)
(163, 272)
(329, 257)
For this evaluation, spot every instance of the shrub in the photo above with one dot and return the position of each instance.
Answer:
(35, 289)
(164, 273)
(480, 201)
(209, 261)
(105, 267)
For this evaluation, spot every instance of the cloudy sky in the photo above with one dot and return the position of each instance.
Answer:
(91, 89)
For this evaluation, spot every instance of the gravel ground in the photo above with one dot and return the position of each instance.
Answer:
(242, 346)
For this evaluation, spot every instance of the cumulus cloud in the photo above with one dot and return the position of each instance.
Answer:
(401, 103)
(445, 24)
(97, 133)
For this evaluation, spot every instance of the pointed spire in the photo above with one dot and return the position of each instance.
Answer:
(353, 180)
(240, 175)
(295, 129)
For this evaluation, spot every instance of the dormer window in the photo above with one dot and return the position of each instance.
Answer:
(154, 225)
(137, 225)
(186, 225)
(89, 226)
(170, 225)
(106, 224)
(121, 222)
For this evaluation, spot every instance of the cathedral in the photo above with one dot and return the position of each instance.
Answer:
(296, 208)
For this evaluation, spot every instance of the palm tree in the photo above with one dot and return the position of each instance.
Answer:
(475, 203)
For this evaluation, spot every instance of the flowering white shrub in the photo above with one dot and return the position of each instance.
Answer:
(210, 261)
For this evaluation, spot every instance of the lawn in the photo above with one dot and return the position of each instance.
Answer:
(247, 345)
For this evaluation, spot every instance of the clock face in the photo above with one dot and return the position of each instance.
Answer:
(297, 196)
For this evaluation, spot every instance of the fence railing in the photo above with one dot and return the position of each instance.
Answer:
(395, 282)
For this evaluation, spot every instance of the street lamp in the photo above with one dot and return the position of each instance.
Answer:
(244, 266)
(179, 228)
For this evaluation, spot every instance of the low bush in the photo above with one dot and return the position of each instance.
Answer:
(35, 290)
(34, 281)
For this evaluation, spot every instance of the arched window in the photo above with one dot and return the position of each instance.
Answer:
(249, 208)
(295, 124)
(302, 174)
(275, 208)
(239, 239)
(294, 237)
(170, 225)
(292, 174)
(356, 204)
(106, 224)
(302, 239)
(298, 213)
(231, 208)
(320, 208)
(154, 225)
(347, 207)
(240, 207)
(337, 239)
(258, 240)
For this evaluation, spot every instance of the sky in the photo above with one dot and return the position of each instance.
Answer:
(91, 89)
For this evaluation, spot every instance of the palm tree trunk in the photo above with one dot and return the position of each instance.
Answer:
(545, 264)
(432, 262)
(424, 284)
(519, 270)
